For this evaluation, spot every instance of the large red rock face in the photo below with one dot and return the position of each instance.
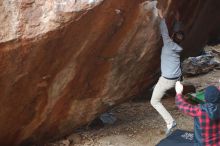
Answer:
(65, 62)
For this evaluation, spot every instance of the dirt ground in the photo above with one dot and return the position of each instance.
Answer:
(138, 124)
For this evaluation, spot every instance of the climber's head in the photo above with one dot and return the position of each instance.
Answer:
(178, 37)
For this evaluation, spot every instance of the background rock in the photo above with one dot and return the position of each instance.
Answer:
(65, 62)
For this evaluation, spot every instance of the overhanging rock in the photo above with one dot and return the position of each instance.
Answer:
(65, 62)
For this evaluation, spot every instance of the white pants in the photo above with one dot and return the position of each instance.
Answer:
(161, 87)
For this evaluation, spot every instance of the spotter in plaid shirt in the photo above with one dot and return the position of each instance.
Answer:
(206, 117)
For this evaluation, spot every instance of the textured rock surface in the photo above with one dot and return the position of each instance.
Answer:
(65, 62)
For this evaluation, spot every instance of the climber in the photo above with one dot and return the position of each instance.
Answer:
(170, 69)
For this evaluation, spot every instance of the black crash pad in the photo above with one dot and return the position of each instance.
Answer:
(178, 138)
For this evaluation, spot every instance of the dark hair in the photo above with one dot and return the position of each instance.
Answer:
(178, 37)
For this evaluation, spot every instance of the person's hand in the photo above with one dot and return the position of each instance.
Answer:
(160, 13)
(179, 87)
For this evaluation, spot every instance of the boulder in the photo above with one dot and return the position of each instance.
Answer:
(203, 64)
(64, 62)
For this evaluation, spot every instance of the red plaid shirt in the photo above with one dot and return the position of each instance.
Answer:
(206, 130)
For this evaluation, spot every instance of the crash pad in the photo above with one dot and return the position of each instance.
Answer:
(178, 138)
